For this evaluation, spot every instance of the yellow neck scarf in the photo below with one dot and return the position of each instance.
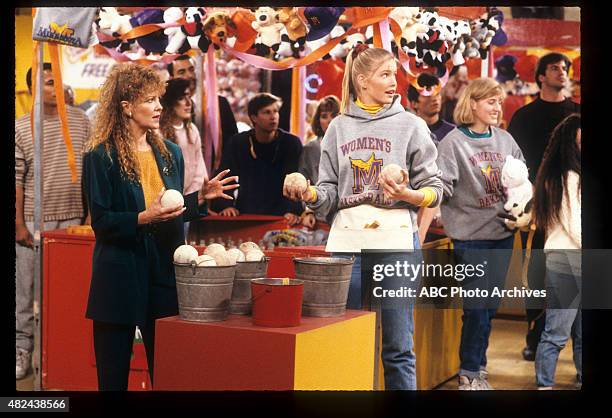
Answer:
(371, 109)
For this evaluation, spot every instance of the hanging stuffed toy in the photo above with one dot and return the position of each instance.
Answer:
(194, 28)
(111, 23)
(296, 29)
(463, 32)
(218, 26)
(339, 51)
(269, 28)
(519, 190)
(177, 39)
(153, 43)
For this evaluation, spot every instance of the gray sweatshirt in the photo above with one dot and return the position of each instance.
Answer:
(355, 148)
(309, 160)
(471, 177)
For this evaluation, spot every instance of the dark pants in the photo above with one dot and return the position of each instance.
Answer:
(113, 347)
(478, 312)
(536, 318)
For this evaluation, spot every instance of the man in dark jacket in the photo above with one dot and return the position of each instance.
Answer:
(261, 158)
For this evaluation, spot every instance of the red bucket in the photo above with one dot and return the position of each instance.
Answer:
(276, 304)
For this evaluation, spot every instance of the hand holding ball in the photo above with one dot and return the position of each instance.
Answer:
(393, 172)
(295, 186)
(172, 199)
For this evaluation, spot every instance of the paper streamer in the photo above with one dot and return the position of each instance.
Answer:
(212, 112)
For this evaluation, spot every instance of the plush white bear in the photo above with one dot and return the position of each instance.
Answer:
(269, 28)
(515, 178)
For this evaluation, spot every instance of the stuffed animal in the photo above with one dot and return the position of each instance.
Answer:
(404, 16)
(218, 25)
(515, 179)
(284, 49)
(194, 28)
(111, 23)
(483, 30)
(269, 30)
(339, 51)
(462, 31)
(177, 39)
(155, 42)
(296, 29)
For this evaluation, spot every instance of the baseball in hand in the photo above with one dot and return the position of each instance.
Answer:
(394, 172)
(296, 181)
(172, 198)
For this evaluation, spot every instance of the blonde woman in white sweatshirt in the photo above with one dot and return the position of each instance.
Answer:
(557, 210)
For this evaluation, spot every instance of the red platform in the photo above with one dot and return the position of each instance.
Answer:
(236, 355)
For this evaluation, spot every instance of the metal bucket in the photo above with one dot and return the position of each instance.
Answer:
(204, 293)
(241, 303)
(326, 284)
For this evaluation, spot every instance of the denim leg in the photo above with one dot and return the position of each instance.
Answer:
(398, 357)
(556, 333)
(472, 341)
(577, 343)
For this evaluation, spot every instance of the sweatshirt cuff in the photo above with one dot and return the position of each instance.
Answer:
(430, 196)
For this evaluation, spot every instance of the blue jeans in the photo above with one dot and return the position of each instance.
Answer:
(561, 281)
(478, 312)
(397, 321)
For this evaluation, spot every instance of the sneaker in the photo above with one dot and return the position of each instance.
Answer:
(22, 363)
(578, 383)
(529, 354)
(466, 384)
(484, 374)
(544, 387)
(483, 383)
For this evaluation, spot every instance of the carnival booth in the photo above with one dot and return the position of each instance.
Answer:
(313, 343)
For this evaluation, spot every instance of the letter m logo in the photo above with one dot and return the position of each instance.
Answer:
(365, 173)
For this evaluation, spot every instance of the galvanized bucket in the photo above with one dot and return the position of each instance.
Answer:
(204, 293)
(326, 284)
(241, 303)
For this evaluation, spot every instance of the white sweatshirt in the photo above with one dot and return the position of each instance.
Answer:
(567, 234)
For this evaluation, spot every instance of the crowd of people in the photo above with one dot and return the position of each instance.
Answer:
(144, 141)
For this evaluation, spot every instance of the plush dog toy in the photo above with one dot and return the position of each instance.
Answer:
(269, 28)
(218, 25)
(515, 179)
(296, 29)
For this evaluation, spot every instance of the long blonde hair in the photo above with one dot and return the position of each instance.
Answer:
(132, 83)
(478, 89)
(361, 60)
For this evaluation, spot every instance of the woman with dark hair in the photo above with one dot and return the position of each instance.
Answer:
(557, 208)
(175, 125)
(126, 169)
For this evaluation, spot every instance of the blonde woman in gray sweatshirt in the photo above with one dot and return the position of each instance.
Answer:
(370, 210)
(471, 159)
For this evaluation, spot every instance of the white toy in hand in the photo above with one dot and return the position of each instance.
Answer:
(515, 178)
(172, 198)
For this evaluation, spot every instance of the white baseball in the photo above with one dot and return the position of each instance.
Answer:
(245, 247)
(185, 254)
(205, 261)
(213, 249)
(394, 172)
(254, 255)
(235, 255)
(297, 181)
(172, 198)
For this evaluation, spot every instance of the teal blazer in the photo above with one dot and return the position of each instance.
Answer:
(132, 277)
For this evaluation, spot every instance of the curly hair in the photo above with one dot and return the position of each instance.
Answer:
(131, 83)
(175, 90)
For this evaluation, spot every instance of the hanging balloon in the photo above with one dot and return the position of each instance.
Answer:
(525, 68)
